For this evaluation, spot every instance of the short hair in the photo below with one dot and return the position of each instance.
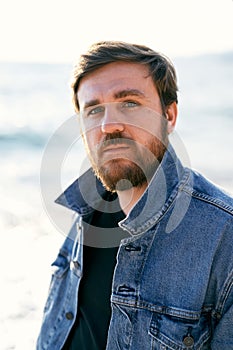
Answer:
(101, 53)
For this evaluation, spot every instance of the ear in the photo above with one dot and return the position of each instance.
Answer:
(171, 115)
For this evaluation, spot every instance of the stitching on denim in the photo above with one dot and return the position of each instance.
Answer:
(158, 217)
(211, 200)
(228, 286)
(166, 310)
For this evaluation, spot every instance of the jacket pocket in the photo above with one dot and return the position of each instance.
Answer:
(59, 269)
(61, 264)
(173, 331)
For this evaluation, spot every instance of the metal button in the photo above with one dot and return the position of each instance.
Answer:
(74, 265)
(69, 316)
(188, 340)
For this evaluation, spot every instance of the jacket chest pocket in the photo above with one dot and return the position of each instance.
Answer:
(176, 333)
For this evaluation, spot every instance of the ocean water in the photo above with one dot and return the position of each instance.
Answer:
(41, 153)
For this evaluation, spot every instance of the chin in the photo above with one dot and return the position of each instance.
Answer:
(121, 175)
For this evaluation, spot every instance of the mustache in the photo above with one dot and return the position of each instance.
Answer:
(114, 139)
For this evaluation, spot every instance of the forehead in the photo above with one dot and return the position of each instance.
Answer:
(105, 82)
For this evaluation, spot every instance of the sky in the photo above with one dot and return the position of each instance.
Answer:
(58, 30)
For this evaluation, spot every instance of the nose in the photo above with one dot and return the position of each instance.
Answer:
(112, 122)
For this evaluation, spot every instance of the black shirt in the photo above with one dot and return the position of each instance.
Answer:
(99, 258)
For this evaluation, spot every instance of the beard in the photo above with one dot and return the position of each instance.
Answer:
(133, 169)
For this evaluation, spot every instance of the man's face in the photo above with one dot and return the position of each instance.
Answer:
(122, 124)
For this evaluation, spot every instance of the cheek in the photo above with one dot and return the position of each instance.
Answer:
(91, 139)
(148, 127)
(144, 137)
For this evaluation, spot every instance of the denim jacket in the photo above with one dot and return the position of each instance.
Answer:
(173, 281)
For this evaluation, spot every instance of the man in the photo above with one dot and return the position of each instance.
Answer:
(148, 262)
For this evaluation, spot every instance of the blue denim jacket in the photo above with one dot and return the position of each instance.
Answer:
(173, 281)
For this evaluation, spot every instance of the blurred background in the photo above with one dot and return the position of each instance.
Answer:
(40, 41)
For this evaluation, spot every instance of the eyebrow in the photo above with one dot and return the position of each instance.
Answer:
(129, 92)
(117, 95)
(91, 103)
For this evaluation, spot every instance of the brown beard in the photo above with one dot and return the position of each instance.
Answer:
(120, 174)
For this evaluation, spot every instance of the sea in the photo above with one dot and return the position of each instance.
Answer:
(42, 153)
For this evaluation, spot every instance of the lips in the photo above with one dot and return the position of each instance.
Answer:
(115, 148)
(115, 143)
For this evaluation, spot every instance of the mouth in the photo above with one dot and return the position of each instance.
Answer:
(115, 148)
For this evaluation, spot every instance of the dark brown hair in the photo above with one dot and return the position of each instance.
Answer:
(99, 54)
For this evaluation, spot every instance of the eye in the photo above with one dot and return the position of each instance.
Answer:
(130, 104)
(94, 110)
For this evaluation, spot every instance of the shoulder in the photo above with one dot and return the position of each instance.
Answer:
(201, 188)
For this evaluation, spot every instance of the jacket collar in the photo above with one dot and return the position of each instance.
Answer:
(159, 196)
(85, 194)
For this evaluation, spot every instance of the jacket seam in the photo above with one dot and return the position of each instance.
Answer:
(211, 200)
(225, 293)
(166, 310)
(166, 207)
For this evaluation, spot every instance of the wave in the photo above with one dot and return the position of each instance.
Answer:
(23, 138)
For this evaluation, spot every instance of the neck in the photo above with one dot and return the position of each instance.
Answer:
(129, 198)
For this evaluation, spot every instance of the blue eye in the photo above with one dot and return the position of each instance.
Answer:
(93, 111)
(129, 104)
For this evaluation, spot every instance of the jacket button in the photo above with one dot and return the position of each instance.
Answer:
(188, 341)
(74, 265)
(69, 316)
